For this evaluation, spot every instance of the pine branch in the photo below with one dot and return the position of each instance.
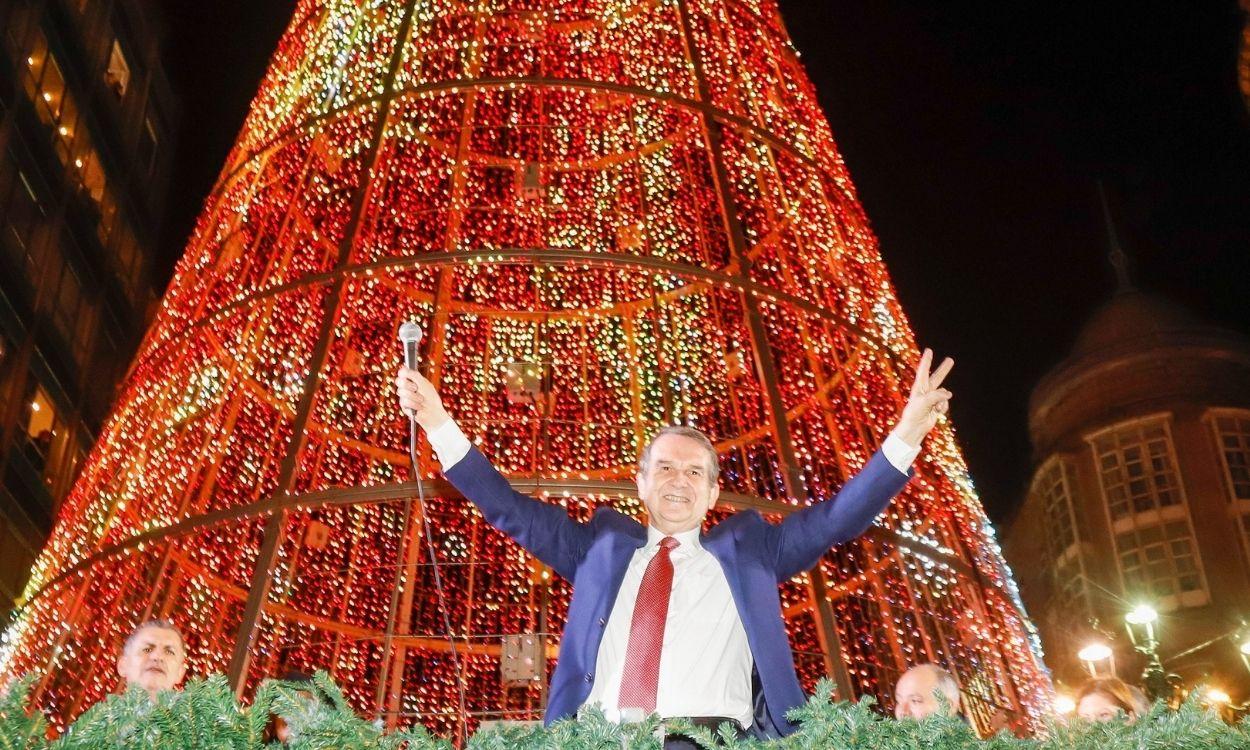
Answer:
(19, 728)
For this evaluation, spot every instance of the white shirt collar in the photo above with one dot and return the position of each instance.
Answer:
(689, 539)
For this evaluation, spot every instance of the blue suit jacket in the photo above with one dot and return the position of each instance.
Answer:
(755, 555)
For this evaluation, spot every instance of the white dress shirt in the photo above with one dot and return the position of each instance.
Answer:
(705, 662)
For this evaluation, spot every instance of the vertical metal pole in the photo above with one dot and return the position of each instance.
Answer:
(262, 574)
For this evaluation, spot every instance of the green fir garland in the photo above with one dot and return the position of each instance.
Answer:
(206, 715)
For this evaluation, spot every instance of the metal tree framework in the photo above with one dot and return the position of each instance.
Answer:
(638, 201)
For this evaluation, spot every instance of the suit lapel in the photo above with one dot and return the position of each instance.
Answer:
(622, 546)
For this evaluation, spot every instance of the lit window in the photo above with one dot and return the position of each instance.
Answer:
(40, 418)
(117, 75)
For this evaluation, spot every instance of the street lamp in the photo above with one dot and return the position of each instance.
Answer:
(1140, 623)
(1144, 615)
(1095, 653)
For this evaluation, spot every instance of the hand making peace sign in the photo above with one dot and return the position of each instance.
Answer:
(928, 402)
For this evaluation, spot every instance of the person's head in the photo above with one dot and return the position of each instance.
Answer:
(278, 730)
(1104, 699)
(1141, 703)
(915, 694)
(677, 475)
(154, 657)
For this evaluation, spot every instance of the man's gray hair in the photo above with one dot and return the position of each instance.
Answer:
(158, 624)
(943, 681)
(713, 461)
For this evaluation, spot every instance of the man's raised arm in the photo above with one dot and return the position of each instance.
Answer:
(542, 528)
(807, 534)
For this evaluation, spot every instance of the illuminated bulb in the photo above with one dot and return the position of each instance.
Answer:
(30, 60)
(1094, 652)
(63, 130)
(1142, 614)
(1215, 695)
(34, 406)
(1064, 705)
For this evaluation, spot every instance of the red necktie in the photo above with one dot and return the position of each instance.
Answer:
(641, 677)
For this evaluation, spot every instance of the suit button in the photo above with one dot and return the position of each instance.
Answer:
(603, 622)
(590, 677)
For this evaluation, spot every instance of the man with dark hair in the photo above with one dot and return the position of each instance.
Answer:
(154, 657)
(665, 619)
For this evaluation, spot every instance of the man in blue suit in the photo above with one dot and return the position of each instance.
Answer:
(663, 618)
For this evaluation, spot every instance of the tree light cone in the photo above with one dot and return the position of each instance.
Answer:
(639, 198)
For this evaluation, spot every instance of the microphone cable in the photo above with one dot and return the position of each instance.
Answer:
(427, 532)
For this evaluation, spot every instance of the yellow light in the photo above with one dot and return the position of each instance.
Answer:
(78, 163)
(30, 60)
(47, 97)
(1064, 705)
(34, 406)
(1094, 652)
(1215, 695)
(64, 130)
(1245, 647)
(1142, 614)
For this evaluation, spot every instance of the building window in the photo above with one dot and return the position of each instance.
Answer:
(40, 422)
(1161, 562)
(1069, 599)
(1137, 468)
(57, 109)
(117, 74)
(1232, 434)
(147, 147)
(21, 216)
(1053, 485)
(67, 303)
(1232, 430)
(1154, 542)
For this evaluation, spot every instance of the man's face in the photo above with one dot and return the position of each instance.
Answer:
(678, 489)
(154, 660)
(914, 696)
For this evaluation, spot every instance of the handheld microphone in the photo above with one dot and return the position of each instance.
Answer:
(410, 337)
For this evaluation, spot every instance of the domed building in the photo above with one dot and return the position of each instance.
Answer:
(1140, 494)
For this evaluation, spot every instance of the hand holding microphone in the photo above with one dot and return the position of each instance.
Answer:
(417, 396)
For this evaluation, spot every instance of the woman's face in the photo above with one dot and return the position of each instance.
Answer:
(1099, 707)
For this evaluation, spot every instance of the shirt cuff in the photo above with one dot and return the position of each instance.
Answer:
(449, 443)
(898, 453)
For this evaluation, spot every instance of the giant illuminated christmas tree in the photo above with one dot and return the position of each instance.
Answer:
(608, 215)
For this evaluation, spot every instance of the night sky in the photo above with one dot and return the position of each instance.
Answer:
(975, 133)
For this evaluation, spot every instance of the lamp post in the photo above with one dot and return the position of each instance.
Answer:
(1140, 624)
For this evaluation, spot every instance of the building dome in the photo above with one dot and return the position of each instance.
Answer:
(1133, 319)
(1135, 349)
